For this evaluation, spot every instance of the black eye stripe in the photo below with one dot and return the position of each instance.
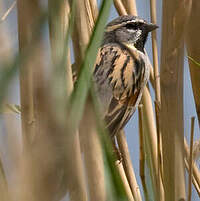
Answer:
(133, 25)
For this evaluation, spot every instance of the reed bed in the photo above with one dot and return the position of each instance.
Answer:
(65, 148)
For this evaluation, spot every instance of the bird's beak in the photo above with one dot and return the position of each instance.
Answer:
(150, 27)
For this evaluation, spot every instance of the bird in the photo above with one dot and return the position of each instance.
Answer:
(121, 70)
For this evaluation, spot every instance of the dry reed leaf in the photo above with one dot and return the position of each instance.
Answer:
(196, 150)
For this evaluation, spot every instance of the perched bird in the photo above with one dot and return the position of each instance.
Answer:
(122, 70)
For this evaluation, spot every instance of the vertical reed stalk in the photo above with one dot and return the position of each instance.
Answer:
(120, 7)
(175, 16)
(157, 93)
(142, 151)
(59, 27)
(26, 17)
(94, 9)
(126, 160)
(130, 6)
(93, 155)
(151, 140)
(32, 94)
(88, 129)
(3, 184)
(81, 32)
(124, 180)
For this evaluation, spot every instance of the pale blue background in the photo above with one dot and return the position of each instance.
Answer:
(131, 129)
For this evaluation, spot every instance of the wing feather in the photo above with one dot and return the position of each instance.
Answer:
(119, 75)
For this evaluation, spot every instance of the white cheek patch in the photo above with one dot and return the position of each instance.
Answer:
(137, 33)
(132, 30)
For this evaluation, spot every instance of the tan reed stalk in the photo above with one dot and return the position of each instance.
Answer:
(124, 180)
(120, 7)
(3, 184)
(40, 179)
(152, 78)
(94, 9)
(59, 25)
(193, 44)
(196, 173)
(142, 151)
(155, 50)
(88, 130)
(93, 155)
(126, 161)
(80, 35)
(26, 16)
(157, 90)
(150, 138)
(175, 16)
(130, 6)
(191, 159)
(31, 94)
(89, 16)
(65, 12)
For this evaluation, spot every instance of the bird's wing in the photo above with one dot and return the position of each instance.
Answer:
(119, 74)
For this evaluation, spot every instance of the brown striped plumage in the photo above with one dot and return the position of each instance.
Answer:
(121, 70)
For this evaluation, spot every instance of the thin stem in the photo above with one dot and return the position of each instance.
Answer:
(126, 160)
(194, 181)
(8, 11)
(142, 155)
(124, 180)
(191, 159)
(157, 89)
(196, 173)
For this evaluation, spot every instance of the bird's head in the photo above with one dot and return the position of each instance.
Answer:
(128, 29)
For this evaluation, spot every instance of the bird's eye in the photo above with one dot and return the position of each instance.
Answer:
(132, 26)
